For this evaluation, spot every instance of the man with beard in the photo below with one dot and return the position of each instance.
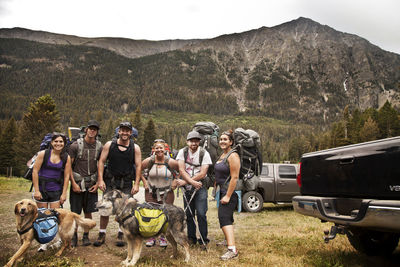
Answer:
(123, 159)
(193, 163)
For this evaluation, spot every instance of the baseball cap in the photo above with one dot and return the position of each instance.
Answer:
(93, 123)
(126, 124)
(193, 135)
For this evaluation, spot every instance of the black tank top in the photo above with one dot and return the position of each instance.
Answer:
(121, 163)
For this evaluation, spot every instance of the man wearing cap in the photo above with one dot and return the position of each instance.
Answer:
(124, 161)
(84, 153)
(193, 165)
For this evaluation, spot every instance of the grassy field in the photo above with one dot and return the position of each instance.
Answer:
(276, 236)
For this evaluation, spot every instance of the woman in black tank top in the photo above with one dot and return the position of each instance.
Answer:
(227, 167)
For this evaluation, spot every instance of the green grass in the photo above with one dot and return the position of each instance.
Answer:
(276, 236)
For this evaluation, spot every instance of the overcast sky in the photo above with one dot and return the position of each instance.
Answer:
(378, 21)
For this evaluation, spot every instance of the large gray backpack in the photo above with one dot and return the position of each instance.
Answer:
(248, 146)
(209, 132)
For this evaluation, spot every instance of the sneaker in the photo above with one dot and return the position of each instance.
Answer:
(85, 240)
(162, 242)
(150, 242)
(43, 247)
(229, 255)
(100, 240)
(120, 242)
(74, 240)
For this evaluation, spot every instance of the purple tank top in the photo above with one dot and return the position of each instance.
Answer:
(51, 174)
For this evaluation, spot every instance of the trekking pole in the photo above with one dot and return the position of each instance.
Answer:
(191, 198)
(195, 222)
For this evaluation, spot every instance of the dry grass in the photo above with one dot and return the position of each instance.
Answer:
(277, 236)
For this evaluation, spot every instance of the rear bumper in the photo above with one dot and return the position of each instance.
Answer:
(381, 215)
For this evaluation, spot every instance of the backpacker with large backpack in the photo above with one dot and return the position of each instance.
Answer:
(248, 145)
(209, 132)
(44, 145)
(88, 181)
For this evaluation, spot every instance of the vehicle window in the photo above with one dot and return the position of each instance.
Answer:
(264, 170)
(287, 172)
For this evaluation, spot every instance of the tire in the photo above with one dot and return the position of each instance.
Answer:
(252, 201)
(372, 242)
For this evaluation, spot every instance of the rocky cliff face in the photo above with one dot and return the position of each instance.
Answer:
(300, 67)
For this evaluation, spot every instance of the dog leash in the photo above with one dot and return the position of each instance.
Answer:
(195, 222)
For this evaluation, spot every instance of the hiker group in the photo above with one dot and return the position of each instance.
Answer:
(226, 162)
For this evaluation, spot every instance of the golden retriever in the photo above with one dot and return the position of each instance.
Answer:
(26, 212)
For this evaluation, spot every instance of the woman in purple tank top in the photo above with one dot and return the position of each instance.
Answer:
(50, 183)
(226, 175)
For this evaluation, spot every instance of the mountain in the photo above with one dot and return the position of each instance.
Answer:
(298, 71)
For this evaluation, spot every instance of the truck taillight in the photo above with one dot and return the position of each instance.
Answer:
(298, 179)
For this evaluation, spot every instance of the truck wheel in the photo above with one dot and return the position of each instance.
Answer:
(372, 242)
(252, 201)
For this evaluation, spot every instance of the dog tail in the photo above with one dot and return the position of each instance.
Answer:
(85, 223)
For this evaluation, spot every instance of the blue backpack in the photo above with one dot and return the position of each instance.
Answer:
(46, 225)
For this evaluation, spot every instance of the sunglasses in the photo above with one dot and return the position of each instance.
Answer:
(56, 134)
(159, 141)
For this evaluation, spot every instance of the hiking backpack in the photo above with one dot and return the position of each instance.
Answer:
(248, 146)
(150, 217)
(209, 132)
(46, 225)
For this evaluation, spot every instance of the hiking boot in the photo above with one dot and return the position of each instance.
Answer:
(162, 242)
(42, 248)
(85, 240)
(100, 240)
(150, 242)
(74, 240)
(120, 242)
(229, 255)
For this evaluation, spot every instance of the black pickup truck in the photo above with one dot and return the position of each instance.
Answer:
(357, 187)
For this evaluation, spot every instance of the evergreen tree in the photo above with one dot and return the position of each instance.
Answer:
(338, 135)
(148, 138)
(41, 118)
(369, 131)
(297, 147)
(354, 127)
(388, 121)
(137, 123)
(7, 154)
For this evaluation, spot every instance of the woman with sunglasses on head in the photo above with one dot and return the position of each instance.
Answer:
(160, 180)
(226, 171)
(50, 175)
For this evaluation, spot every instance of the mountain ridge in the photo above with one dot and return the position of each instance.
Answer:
(298, 70)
